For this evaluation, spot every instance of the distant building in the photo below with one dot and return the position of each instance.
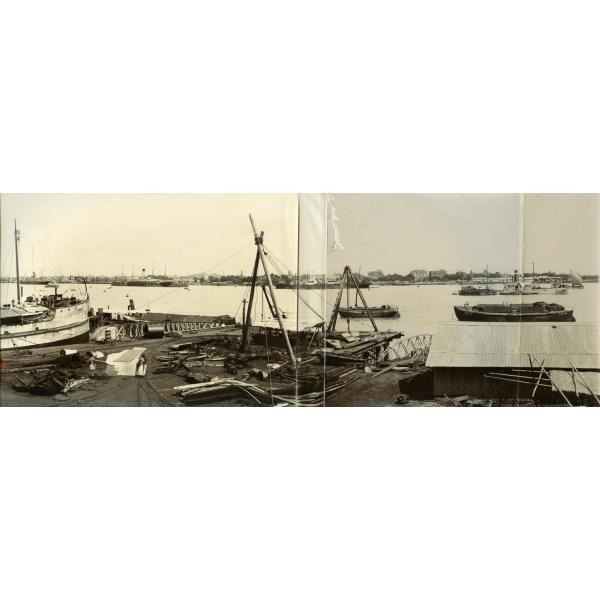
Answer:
(375, 275)
(419, 274)
(437, 275)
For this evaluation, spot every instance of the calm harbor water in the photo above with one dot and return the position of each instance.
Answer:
(422, 308)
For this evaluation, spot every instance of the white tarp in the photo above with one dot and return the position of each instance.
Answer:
(128, 362)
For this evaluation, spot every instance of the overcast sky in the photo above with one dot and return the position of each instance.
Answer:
(401, 232)
(104, 233)
(193, 233)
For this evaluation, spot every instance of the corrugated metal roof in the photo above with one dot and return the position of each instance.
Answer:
(568, 381)
(508, 345)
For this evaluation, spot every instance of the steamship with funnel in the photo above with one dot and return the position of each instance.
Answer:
(48, 320)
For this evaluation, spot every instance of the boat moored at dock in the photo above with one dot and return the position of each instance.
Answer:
(52, 320)
(48, 320)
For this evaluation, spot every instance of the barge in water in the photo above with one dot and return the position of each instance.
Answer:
(385, 311)
(511, 313)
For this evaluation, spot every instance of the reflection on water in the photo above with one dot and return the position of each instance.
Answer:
(422, 308)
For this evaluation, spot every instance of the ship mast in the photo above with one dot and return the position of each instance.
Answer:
(17, 238)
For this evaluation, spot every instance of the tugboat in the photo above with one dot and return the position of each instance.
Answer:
(47, 321)
(511, 313)
(476, 290)
(472, 290)
(518, 288)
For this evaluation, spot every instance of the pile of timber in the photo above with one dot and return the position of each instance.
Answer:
(348, 349)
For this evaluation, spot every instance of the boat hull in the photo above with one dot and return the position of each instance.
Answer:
(522, 293)
(361, 313)
(468, 314)
(476, 292)
(69, 325)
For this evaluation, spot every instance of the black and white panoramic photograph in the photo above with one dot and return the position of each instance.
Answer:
(380, 221)
(300, 300)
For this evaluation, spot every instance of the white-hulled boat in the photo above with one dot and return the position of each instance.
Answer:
(45, 321)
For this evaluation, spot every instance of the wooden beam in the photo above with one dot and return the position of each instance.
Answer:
(259, 244)
(584, 382)
(247, 318)
(338, 300)
(362, 299)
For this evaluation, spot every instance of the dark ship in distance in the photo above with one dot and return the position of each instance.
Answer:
(514, 313)
(477, 290)
(473, 290)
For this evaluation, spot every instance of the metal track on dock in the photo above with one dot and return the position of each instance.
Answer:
(136, 330)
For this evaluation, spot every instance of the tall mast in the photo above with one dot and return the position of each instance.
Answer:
(17, 238)
(248, 314)
(259, 244)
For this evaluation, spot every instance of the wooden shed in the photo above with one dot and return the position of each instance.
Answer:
(463, 356)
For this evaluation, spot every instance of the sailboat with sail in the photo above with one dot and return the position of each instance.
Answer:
(576, 280)
(48, 320)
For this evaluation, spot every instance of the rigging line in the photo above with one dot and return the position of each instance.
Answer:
(308, 306)
(226, 259)
(162, 296)
(299, 296)
(270, 253)
(321, 296)
(286, 268)
(274, 265)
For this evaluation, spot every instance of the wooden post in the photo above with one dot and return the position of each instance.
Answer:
(545, 372)
(347, 294)
(363, 300)
(248, 317)
(532, 373)
(258, 239)
(583, 381)
(336, 306)
(269, 304)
